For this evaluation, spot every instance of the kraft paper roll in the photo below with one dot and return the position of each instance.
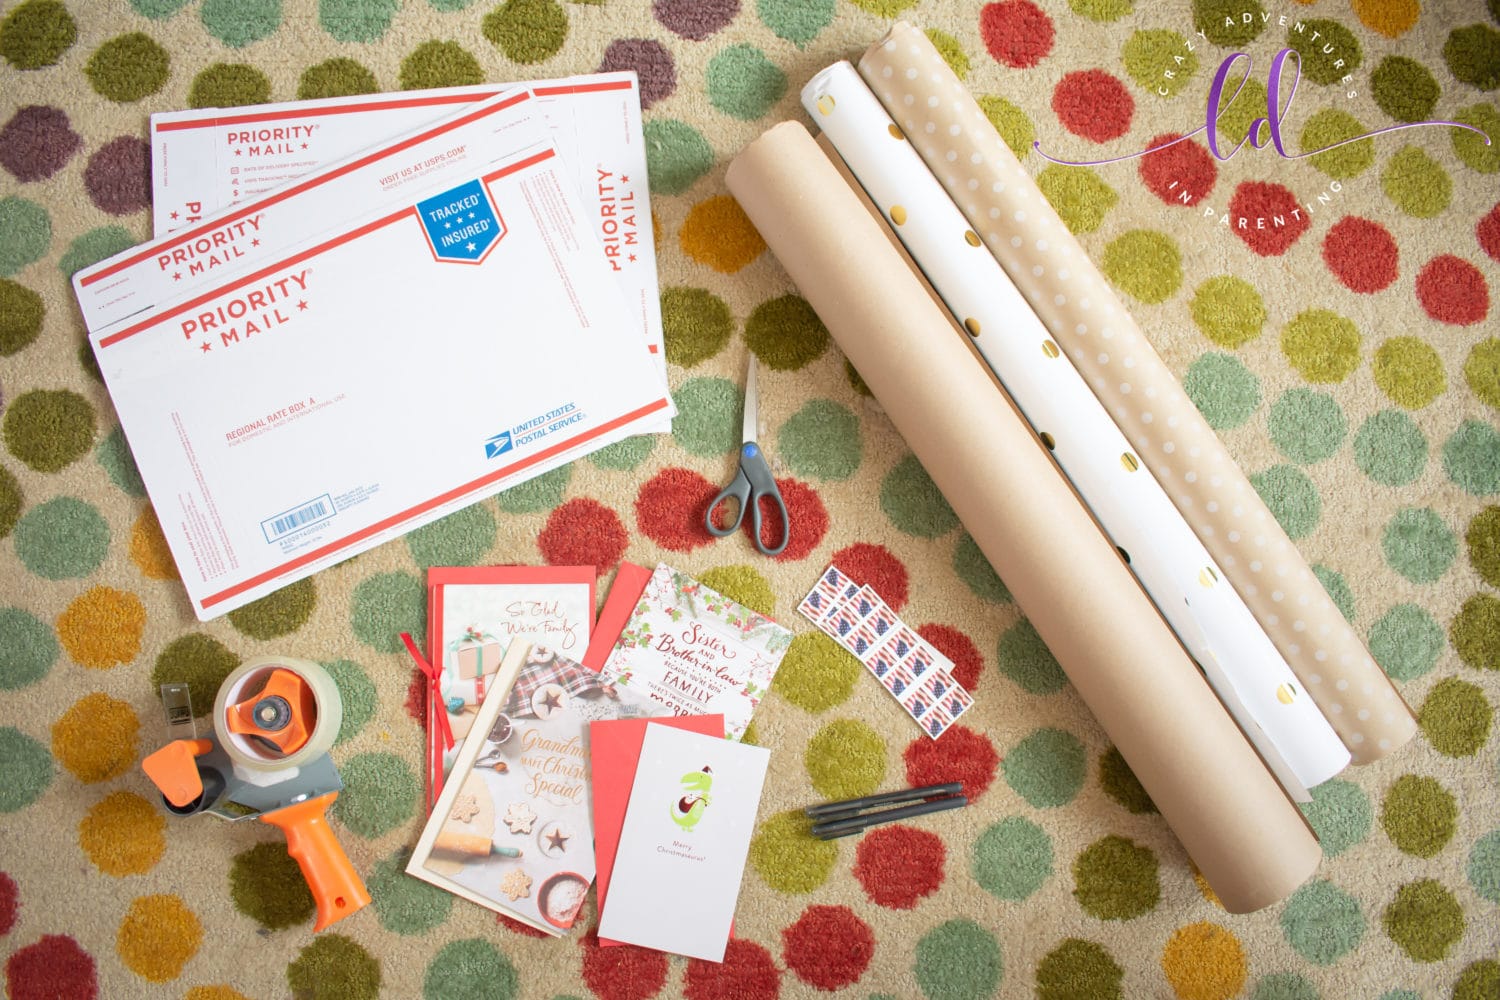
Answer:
(1010, 214)
(1187, 587)
(1243, 833)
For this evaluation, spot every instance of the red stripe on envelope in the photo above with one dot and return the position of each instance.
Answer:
(276, 116)
(307, 185)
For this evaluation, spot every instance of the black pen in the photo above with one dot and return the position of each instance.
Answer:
(831, 829)
(848, 807)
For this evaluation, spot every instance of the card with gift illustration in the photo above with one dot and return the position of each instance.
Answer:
(474, 613)
(512, 830)
(696, 651)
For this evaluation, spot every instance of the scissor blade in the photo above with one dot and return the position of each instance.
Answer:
(752, 418)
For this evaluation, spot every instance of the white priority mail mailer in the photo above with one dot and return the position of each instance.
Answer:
(203, 161)
(404, 364)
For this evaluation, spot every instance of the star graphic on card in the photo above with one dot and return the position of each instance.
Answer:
(632, 258)
(304, 145)
(471, 215)
(302, 305)
(207, 347)
(237, 152)
(556, 840)
(174, 215)
(255, 243)
(552, 701)
(447, 225)
(624, 179)
(176, 275)
(469, 247)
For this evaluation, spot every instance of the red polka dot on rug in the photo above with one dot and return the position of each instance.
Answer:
(416, 698)
(583, 532)
(1488, 232)
(516, 927)
(1361, 254)
(1182, 173)
(1452, 290)
(899, 866)
(623, 971)
(828, 947)
(804, 508)
(960, 754)
(1017, 33)
(10, 903)
(55, 968)
(874, 565)
(968, 661)
(1267, 217)
(748, 972)
(671, 506)
(1092, 104)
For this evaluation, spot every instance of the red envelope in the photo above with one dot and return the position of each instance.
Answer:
(615, 752)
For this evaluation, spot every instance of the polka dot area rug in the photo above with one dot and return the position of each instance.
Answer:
(1342, 341)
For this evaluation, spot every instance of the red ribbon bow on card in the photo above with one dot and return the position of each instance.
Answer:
(434, 690)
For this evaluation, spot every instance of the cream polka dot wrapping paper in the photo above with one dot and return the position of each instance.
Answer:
(1178, 574)
(962, 148)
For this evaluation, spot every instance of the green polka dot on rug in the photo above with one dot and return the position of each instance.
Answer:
(1473, 55)
(36, 34)
(128, 68)
(1406, 642)
(913, 503)
(356, 693)
(237, 23)
(229, 85)
(1471, 457)
(785, 334)
(1418, 545)
(1238, 114)
(976, 572)
(1332, 127)
(1116, 879)
(696, 325)
(1456, 718)
(527, 31)
(622, 456)
(1291, 497)
(1340, 815)
(11, 502)
(1484, 866)
(406, 905)
(742, 584)
(337, 77)
(1329, 51)
(1080, 198)
(334, 967)
(471, 969)
(21, 314)
(114, 457)
(357, 20)
(1228, 310)
(49, 429)
(1224, 390)
(786, 855)
(1425, 920)
(1404, 89)
(440, 64)
(1025, 659)
(199, 661)
(25, 233)
(1221, 22)
(537, 495)
(821, 441)
(1410, 372)
(1151, 53)
(1284, 986)
(1078, 970)
(26, 769)
(948, 47)
(1144, 264)
(1479, 981)
(279, 613)
(1418, 185)
(708, 416)
(1483, 542)
(30, 649)
(1337, 589)
(1400, 995)
(1010, 121)
(1047, 768)
(958, 960)
(266, 885)
(845, 760)
(1120, 783)
(1419, 815)
(816, 673)
(1390, 448)
(158, 10)
(1012, 859)
(62, 539)
(676, 155)
(385, 605)
(1321, 345)
(743, 83)
(797, 21)
(1322, 922)
(94, 246)
(1471, 146)
(1482, 371)
(464, 537)
(380, 793)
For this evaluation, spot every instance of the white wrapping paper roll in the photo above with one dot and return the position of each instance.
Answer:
(1176, 571)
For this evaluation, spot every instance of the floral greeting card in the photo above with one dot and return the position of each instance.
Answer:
(697, 652)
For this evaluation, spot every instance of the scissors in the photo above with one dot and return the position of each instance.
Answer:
(753, 482)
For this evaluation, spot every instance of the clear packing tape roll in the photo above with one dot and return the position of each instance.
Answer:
(1246, 837)
(961, 147)
(1243, 666)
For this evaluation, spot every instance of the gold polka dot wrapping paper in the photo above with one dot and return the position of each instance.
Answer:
(1246, 837)
(947, 128)
(1177, 573)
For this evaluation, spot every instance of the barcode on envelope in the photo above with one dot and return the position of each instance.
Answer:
(298, 517)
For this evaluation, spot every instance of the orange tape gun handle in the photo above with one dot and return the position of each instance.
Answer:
(335, 885)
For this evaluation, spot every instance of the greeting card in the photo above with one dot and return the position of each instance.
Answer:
(694, 650)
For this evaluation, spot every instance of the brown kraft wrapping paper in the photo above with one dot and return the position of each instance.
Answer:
(1248, 840)
(1075, 302)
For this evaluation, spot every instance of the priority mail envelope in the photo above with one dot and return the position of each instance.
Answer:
(338, 394)
(204, 161)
